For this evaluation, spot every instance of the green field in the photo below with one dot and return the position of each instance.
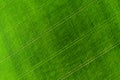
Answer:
(59, 39)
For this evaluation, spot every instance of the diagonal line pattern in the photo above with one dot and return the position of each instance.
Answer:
(42, 7)
(72, 71)
(63, 49)
(102, 53)
(70, 44)
(55, 26)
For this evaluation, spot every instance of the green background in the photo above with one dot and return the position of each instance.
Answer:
(59, 39)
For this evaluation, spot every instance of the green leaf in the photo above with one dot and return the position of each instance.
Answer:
(59, 40)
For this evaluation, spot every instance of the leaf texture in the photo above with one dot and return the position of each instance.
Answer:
(59, 40)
